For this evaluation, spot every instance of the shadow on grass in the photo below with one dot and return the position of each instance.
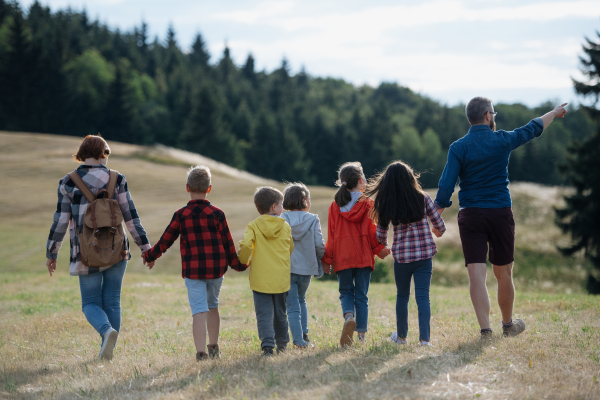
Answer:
(369, 370)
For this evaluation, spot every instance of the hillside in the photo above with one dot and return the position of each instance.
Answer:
(32, 165)
(48, 350)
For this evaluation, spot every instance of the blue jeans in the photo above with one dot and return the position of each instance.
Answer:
(354, 286)
(296, 307)
(421, 271)
(101, 297)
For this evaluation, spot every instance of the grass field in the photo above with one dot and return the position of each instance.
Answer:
(48, 350)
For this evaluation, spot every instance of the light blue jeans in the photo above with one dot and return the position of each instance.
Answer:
(101, 297)
(296, 307)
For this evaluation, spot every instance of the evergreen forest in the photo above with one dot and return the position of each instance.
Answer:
(63, 73)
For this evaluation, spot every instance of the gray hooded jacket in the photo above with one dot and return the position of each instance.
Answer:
(309, 246)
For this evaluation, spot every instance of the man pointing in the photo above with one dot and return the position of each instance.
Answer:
(480, 160)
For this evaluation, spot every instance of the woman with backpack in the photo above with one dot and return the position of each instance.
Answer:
(93, 201)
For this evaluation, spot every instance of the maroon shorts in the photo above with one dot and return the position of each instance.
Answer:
(480, 226)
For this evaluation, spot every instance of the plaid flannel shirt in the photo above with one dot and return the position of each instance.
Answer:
(70, 213)
(414, 242)
(206, 245)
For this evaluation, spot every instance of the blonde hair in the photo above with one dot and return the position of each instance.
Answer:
(198, 179)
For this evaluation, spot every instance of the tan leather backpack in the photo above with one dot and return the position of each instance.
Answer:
(102, 241)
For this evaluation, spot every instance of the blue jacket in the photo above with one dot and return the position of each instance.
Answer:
(480, 160)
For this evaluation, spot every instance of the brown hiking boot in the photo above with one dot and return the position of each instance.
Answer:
(213, 351)
(517, 327)
(348, 332)
(201, 356)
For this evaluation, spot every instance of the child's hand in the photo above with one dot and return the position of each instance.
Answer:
(326, 268)
(436, 232)
(384, 253)
(150, 264)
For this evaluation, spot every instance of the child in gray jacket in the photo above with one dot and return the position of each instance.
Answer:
(309, 248)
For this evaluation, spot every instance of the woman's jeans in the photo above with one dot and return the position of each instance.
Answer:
(354, 286)
(421, 271)
(296, 307)
(101, 297)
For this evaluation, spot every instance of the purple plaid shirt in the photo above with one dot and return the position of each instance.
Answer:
(414, 242)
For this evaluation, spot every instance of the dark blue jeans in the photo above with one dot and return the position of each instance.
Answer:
(354, 286)
(101, 297)
(421, 271)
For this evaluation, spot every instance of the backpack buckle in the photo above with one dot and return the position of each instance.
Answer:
(97, 232)
(113, 230)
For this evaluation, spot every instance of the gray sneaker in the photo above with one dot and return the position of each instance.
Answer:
(108, 344)
(517, 327)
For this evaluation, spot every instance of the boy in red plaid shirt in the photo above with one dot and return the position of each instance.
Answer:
(207, 249)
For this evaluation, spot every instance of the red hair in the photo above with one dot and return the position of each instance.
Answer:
(92, 146)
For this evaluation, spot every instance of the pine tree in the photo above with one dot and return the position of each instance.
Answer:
(199, 55)
(582, 212)
(118, 114)
(591, 69)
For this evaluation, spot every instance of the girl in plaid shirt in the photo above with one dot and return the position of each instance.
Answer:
(400, 200)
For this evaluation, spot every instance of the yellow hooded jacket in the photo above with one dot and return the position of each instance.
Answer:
(266, 249)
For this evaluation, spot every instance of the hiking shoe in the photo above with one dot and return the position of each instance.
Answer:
(518, 326)
(282, 349)
(108, 344)
(396, 339)
(305, 337)
(347, 337)
(267, 352)
(201, 356)
(213, 351)
(486, 336)
(308, 345)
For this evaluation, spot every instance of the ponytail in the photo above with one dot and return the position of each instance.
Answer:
(349, 176)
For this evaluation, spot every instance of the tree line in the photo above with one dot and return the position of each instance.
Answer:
(63, 73)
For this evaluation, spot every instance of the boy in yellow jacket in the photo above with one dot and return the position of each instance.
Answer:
(266, 249)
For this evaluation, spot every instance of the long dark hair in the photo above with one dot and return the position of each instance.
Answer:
(399, 198)
(349, 176)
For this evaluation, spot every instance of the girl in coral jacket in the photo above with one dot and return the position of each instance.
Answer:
(351, 248)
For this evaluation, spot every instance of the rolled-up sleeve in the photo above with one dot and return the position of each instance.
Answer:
(526, 133)
(60, 223)
(448, 180)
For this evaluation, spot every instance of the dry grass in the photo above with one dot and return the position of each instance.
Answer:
(48, 350)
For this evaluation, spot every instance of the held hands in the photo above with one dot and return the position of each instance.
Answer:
(436, 232)
(51, 264)
(384, 253)
(326, 268)
(559, 111)
(150, 264)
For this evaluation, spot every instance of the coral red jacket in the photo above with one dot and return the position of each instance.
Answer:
(351, 237)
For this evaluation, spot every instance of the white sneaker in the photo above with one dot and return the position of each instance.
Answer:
(427, 344)
(396, 339)
(108, 344)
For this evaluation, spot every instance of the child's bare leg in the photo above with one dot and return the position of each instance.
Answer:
(214, 326)
(199, 331)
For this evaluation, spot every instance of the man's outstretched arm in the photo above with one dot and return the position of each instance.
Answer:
(558, 112)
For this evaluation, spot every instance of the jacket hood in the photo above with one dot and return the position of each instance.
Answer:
(301, 222)
(270, 226)
(358, 211)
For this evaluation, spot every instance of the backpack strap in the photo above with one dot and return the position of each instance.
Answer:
(112, 183)
(83, 188)
(110, 189)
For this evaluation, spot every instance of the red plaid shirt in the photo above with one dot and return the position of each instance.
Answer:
(414, 242)
(206, 244)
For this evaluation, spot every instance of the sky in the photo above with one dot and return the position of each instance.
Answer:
(513, 51)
